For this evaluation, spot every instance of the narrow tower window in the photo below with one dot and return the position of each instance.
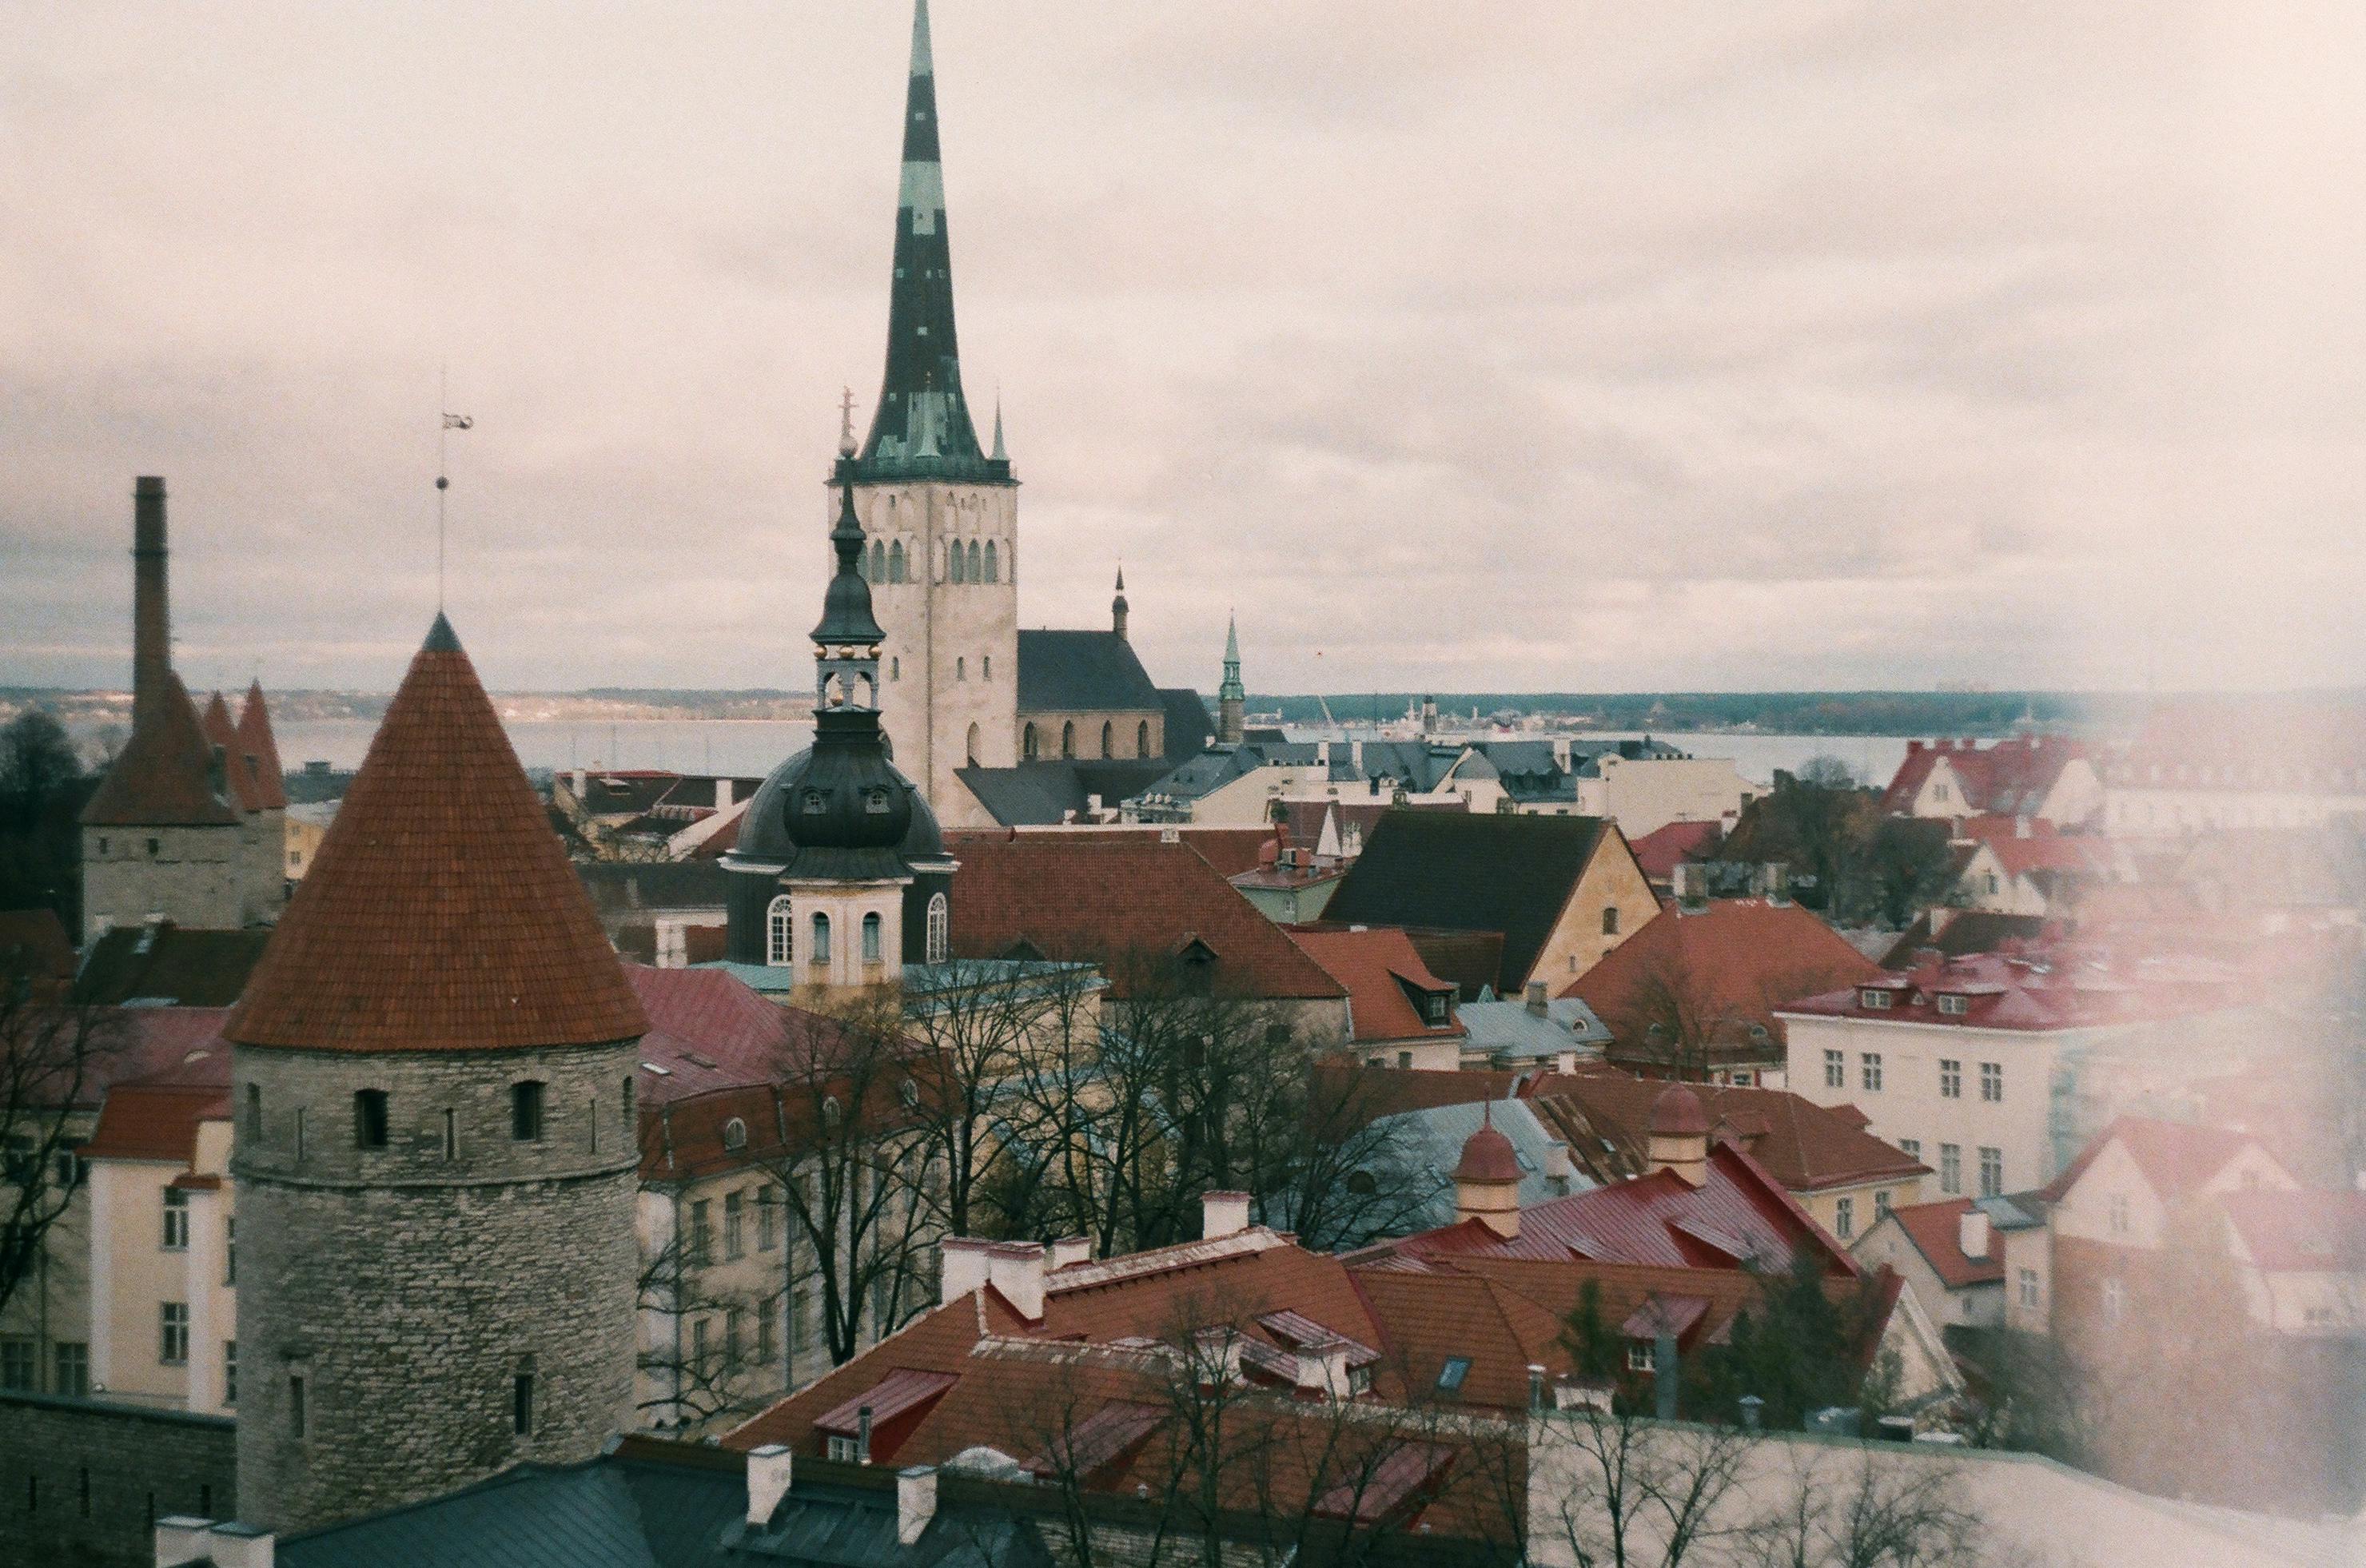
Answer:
(255, 1114)
(895, 561)
(779, 931)
(369, 1118)
(451, 1133)
(522, 1403)
(1142, 738)
(1068, 740)
(1028, 747)
(820, 941)
(1108, 739)
(939, 928)
(953, 572)
(993, 565)
(526, 1111)
(973, 576)
(870, 939)
(296, 1412)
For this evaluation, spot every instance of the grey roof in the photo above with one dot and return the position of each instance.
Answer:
(1509, 1031)
(1073, 671)
(619, 886)
(1187, 726)
(1032, 794)
(1431, 1141)
(2016, 1211)
(1470, 872)
(1220, 765)
(1421, 764)
(645, 1504)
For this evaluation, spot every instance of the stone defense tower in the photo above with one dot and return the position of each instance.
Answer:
(940, 517)
(432, 1083)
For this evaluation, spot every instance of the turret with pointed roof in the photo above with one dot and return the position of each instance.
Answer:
(436, 1143)
(1232, 697)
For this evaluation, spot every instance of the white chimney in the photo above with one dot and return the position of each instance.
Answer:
(915, 1502)
(1536, 1004)
(1093, 806)
(1355, 754)
(581, 777)
(1015, 1269)
(1972, 1232)
(1557, 1165)
(1687, 881)
(1170, 835)
(1323, 1368)
(2021, 825)
(961, 1267)
(1218, 1351)
(1069, 1249)
(236, 1545)
(1323, 752)
(768, 1480)
(1223, 1213)
(723, 794)
(183, 1537)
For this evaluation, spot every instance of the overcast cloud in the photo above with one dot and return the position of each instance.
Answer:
(1491, 345)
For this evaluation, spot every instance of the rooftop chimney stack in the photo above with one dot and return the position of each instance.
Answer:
(1972, 1232)
(1223, 1214)
(769, 1470)
(237, 1545)
(1070, 1249)
(1016, 1270)
(961, 1267)
(183, 1537)
(1535, 995)
(915, 1502)
(152, 614)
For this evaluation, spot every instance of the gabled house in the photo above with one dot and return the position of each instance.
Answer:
(1552, 894)
(1950, 1254)
(2047, 777)
(1399, 1014)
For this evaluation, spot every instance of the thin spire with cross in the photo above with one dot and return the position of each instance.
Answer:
(846, 421)
(449, 423)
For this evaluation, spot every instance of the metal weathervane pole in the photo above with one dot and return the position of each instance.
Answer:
(451, 423)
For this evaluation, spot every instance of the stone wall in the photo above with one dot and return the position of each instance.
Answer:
(193, 877)
(82, 1483)
(408, 1290)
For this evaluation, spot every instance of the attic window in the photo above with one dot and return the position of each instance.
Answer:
(815, 800)
(1873, 998)
(735, 1134)
(1954, 1006)
(1450, 1376)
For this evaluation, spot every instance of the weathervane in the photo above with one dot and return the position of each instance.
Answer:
(452, 421)
(846, 421)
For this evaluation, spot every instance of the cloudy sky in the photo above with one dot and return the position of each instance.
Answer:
(1557, 345)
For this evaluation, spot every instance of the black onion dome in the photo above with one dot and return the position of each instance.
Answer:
(846, 617)
(766, 835)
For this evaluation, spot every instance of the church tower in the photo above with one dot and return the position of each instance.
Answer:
(434, 1138)
(1232, 697)
(939, 516)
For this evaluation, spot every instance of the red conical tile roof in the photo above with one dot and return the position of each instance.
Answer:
(439, 913)
(255, 738)
(164, 777)
(222, 735)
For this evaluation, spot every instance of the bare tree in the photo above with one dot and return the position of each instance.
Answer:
(54, 1059)
(1864, 1508)
(1615, 1490)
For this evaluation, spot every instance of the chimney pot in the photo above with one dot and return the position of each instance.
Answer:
(769, 1470)
(1536, 1004)
(1223, 1214)
(1069, 1249)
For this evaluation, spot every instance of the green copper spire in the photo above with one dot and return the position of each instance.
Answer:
(1232, 690)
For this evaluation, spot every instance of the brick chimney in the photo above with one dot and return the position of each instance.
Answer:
(152, 615)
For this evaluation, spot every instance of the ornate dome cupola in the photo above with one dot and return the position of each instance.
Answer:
(839, 873)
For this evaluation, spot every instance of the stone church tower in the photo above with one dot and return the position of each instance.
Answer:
(436, 1139)
(939, 515)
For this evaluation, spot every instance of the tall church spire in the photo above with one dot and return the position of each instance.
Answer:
(922, 427)
(1232, 697)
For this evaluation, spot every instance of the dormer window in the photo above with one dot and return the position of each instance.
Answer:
(1954, 1006)
(1873, 998)
(874, 801)
(735, 1134)
(815, 800)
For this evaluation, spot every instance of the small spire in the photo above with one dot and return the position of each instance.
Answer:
(922, 64)
(846, 421)
(441, 638)
(1001, 455)
(1121, 577)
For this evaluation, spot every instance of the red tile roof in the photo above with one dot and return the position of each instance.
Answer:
(1726, 967)
(1807, 1147)
(158, 1121)
(1230, 850)
(1738, 1214)
(2300, 1232)
(1661, 851)
(1375, 965)
(2177, 1159)
(164, 778)
(1936, 1230)
(708, 1030)
(2009, 776)
(440, 912)
(221, 733)
(1120, 901)
(256, 741)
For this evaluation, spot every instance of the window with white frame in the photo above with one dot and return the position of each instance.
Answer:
(1845, 1218)
(1873, 998)
(176, 1219)
(2115, 1301)
(779, 931)
(1642, 1355)
(870, 935)
(1992, 1082)
(1869, 1071)
(1951, 1078)
(1954, 1006)
(1951, 1169)
(940, 929)
(1992, 1172)
(1836, 1069)
(820, 957)
(2029, 1293)
(173, 1333)
(1910, 1147)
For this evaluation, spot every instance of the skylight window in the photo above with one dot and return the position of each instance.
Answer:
(1450, 1376)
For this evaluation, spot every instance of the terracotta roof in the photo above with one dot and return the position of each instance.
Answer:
(1804, 1146)
(708, 1030)
(1487, 1156)
(1660, 852)
(1376, 964)
(1740, 1213)
(1473, 871)
(2300, 1232)
(2177, 1157)
(2008, 776)
(440, 912)
(1960, 933)
(158, 1121)
(1728, 965)
(164, 778)
(221, 733)
(1936, 1231)
(1118, 902)
(256, 741)
(1230, 850)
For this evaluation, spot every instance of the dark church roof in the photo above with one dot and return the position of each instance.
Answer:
(1470, 872)
(1031, 795)
(1189, 731)
(440, 912)
(165, 776)
(1073, 671)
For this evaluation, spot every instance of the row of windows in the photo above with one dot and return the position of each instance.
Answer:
(1951, 1074)
(373, 1115)
(781, 927)
(1031, 743)
(886, 562)
(20, 1366)
(1844, 1213)
(1951, 1167)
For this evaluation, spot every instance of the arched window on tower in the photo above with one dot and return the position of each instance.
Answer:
(878, 560)
(1028, 747)
(973, 576)
(870, 939)
(993, 565)
(941, 925)
(1068, 739)
(973, 745)
(895, 561)
(953, 562)
(1108, 739)
(1142, 738)
(779, 931)
(820, 959)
